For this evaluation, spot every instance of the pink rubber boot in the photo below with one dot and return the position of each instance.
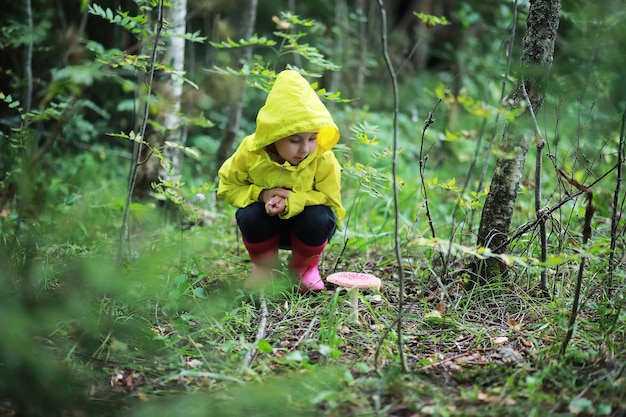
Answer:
(304, 260)
(264, 257)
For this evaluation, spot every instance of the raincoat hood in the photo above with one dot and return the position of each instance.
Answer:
(291, 107)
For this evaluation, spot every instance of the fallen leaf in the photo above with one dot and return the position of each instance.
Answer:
(127, 380)
(194, 363)
(509, 355)
(499, 340)
(580, 405)
(484, 396)
(513, 324)
(281, 24)
(376, 298)
(432, 315)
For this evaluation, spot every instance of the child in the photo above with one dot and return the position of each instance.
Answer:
(285, 181)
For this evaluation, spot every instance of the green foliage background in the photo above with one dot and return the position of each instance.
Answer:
(84, 333)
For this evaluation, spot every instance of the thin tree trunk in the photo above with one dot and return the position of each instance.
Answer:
(394, 85)
(616, 206)
(291, 6)
(28, 59)
(340, 48)
(234, 116)
(124, 248)
(363, 47)
(151, 166)
(536, 59)
(172, 91)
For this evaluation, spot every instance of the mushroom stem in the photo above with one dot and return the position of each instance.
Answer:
(352, 281)
(354, 304)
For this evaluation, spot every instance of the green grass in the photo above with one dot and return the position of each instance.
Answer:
(172, 332)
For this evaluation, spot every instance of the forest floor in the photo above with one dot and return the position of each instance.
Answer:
(183, 339)
(492, 350)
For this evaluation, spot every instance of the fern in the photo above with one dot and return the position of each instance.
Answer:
(261, 76)
(134, 24)
(254, 40)
(431, 20)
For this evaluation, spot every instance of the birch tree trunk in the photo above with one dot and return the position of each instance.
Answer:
(172, 91)
(536, 59)
(234, 116)
(169, 89)
(363, 47)
(341, 47)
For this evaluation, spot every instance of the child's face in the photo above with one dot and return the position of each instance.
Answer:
(296, 148)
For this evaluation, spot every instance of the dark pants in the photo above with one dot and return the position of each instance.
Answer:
(314, 226)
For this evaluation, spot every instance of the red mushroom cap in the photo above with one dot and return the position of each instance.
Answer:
(354, 280)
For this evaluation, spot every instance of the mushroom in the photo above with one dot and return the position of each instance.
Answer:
(352, 281)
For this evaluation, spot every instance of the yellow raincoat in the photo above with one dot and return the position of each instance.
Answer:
(291, 107)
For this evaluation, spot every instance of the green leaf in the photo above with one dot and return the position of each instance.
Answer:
(264, 347)
(431, 20)
(295, 356)
(432, 315)
(200, 292)
(180, 279)
(580, 405)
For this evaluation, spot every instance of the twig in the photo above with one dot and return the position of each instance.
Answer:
(548, 212)
(614, 216)
(422, 165)
(260, 334)
(396, 322)
(345, 233)
(538, 212)
(191, 373)
(422, 162)
(579, 279)
(394, 82)
(306, 333)
(58, 129)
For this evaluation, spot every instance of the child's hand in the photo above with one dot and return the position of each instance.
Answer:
(274, 200)
(275, 206)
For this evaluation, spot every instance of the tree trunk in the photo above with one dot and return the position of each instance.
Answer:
(536, 59)
(169, 90)
(363, 45)
(341, 48)
(234, 116)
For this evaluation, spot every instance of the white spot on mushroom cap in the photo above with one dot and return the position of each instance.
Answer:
(354, 280)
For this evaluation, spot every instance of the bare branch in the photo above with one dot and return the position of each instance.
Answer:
(260, 335)
(394, 83)
(614, 214)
